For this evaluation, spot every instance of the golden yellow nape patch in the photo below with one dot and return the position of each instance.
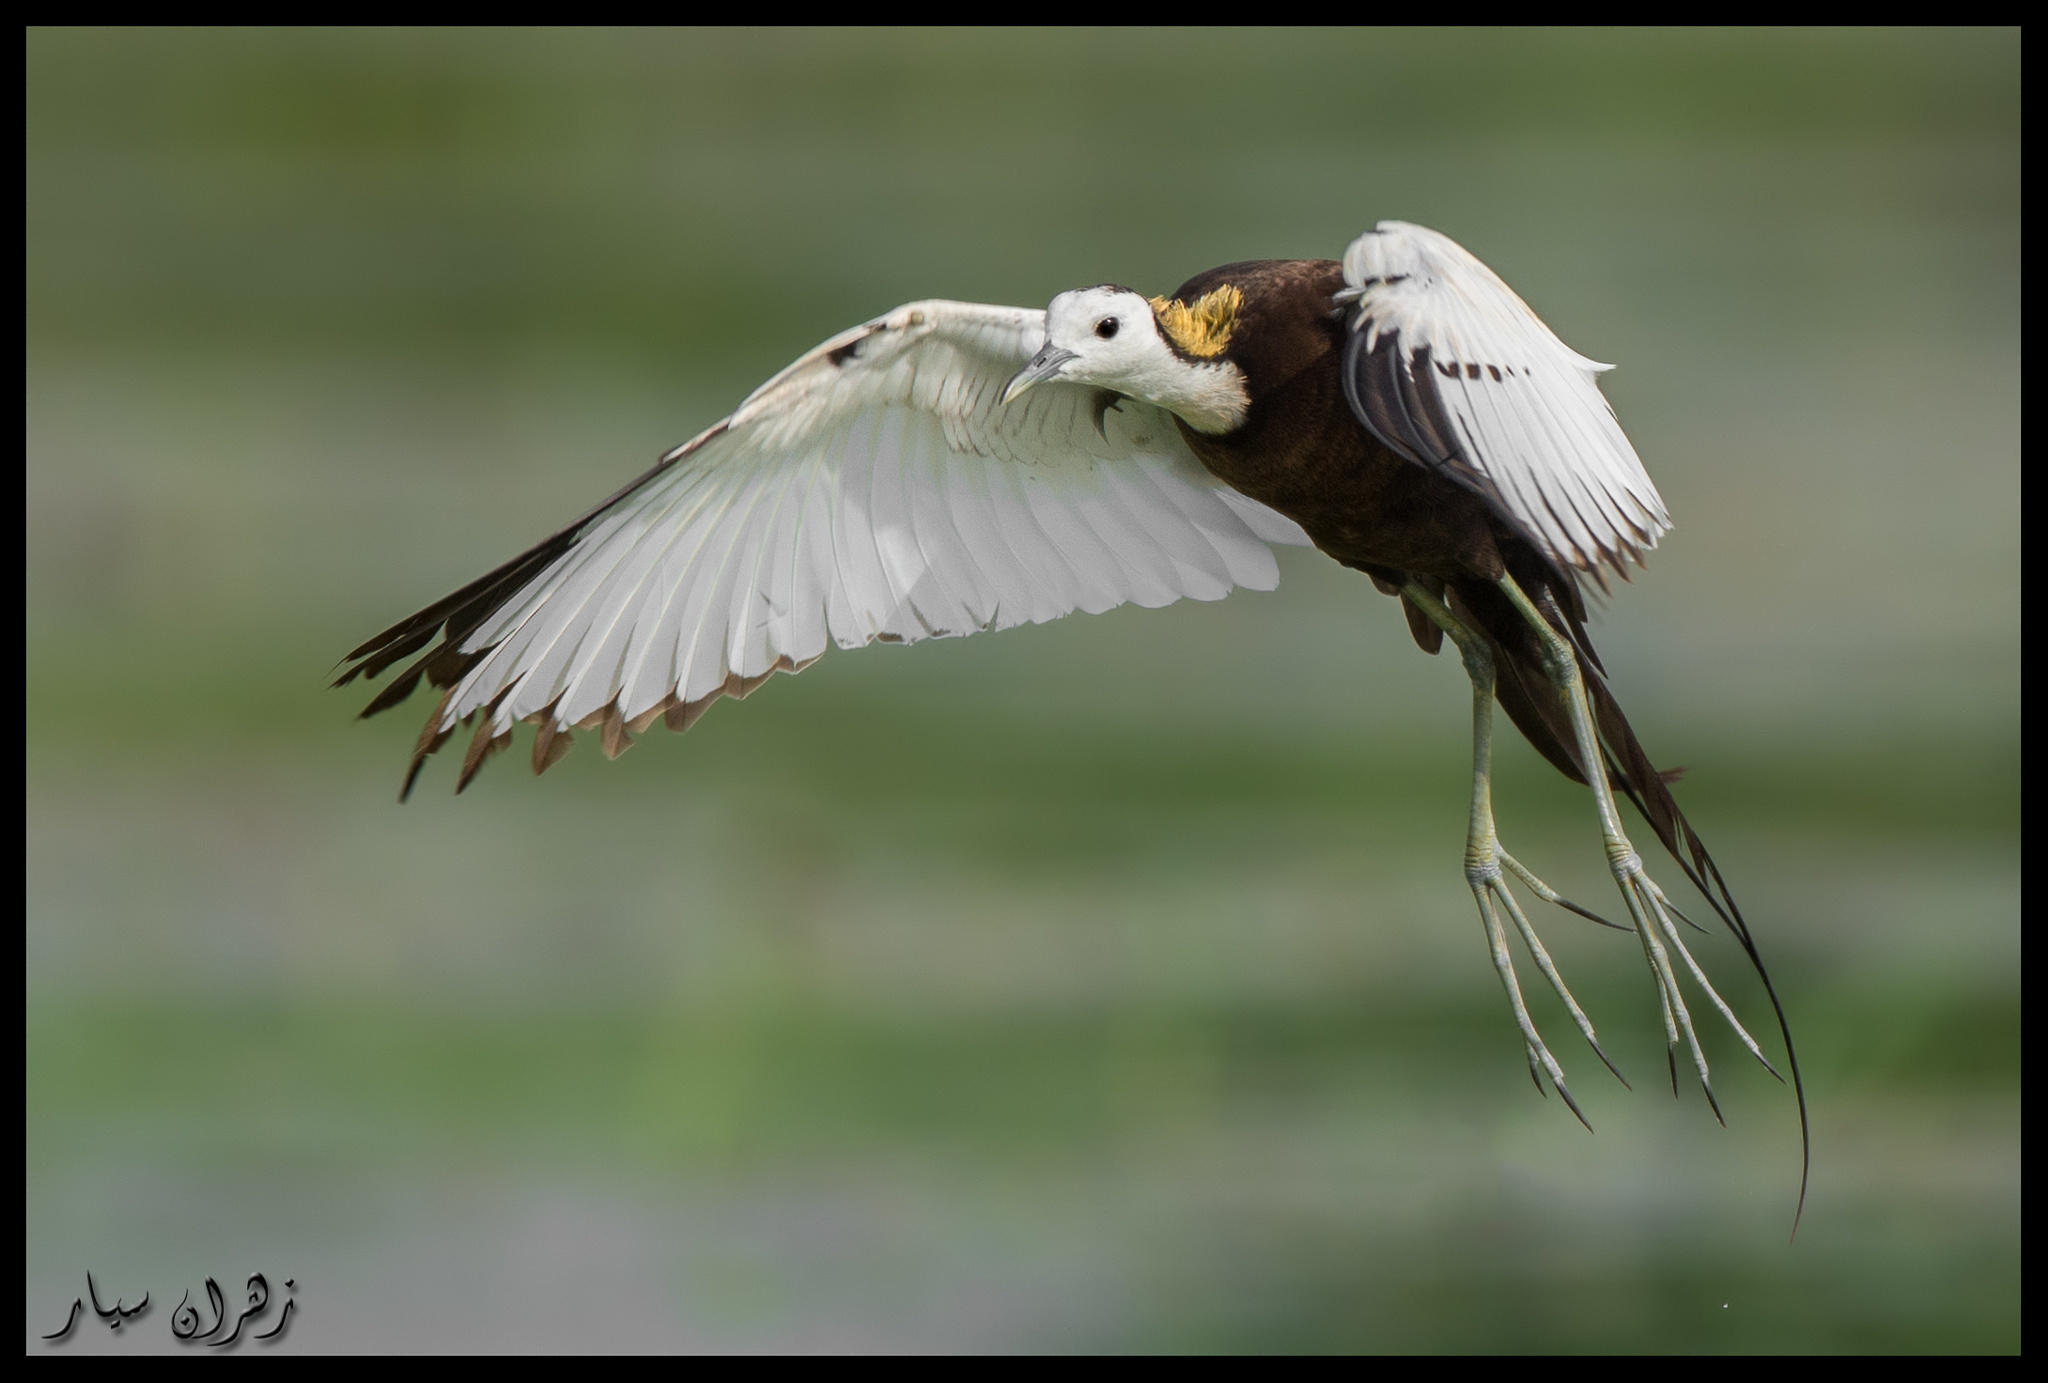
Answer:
(1204, 329)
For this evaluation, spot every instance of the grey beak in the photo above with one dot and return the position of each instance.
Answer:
(1043, 366)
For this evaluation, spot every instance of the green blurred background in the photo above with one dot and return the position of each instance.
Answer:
(1109, 985)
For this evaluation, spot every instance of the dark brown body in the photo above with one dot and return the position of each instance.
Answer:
(1302, 450)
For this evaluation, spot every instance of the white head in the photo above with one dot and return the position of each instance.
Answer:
(1111, 338)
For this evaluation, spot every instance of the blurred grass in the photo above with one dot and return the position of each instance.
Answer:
(1107, 985)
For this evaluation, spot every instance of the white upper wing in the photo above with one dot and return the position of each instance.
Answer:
(872, 490)
(1452, 370)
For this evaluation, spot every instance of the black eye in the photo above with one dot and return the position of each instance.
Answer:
(1106, 328)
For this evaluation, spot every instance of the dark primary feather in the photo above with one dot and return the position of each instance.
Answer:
(1409, 418)
(458, 615)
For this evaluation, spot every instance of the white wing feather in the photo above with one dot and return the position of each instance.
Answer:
(1451, 369)
(872, 491)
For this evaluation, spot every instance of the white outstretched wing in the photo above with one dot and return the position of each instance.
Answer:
(873, 490)
(1451, 370)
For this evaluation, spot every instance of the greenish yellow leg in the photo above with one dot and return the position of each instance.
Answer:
(1647, 906)
(1487, 864)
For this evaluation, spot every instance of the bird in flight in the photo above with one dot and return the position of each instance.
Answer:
(956, 467)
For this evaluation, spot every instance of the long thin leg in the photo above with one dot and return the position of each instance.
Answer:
(1485, 861)
(1647, 906)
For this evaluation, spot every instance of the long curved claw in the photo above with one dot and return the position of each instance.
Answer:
(1573, 1106)
(1550, 895)
(1674, 910)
